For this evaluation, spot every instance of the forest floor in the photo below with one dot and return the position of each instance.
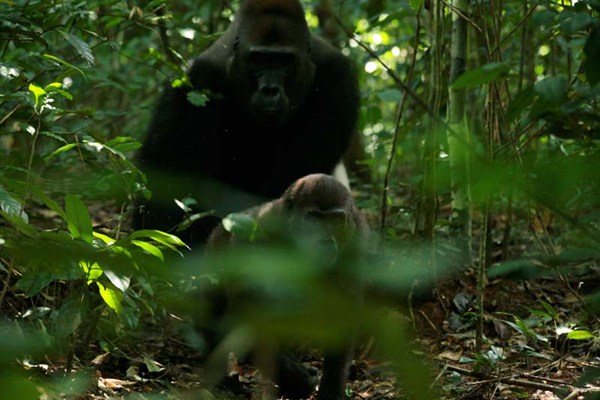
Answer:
(526, 352)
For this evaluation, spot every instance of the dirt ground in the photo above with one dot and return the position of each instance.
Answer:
(526, 351)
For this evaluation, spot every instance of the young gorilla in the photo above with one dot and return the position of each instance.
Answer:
(283, 103)
(323, 207)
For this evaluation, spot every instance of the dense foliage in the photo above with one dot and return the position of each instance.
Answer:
(485, 159)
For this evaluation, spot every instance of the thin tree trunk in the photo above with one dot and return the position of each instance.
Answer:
(459, 141)
(431, 140)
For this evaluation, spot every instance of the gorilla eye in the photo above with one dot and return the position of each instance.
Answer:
(271, 58)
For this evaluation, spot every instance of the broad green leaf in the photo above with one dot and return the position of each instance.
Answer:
(32, 283)
(120, 282)
(82, 47)
(93, 271)
(516, 269)
(240, 225)
(197, 98)
(37, 92)
(520, 103)
(552, 93)
(579, 254)
(56, 87)
(123, 143)
(11, 206)
(158, 236)
(111, 297)
(79, 222)
(130, 317)
(18, 223)
(572, 23)
(51, 204)
(69, 316)
(106, 239)
(580, 335)
(53, 86)
(150, 248)
(482, 75)
(64, 93)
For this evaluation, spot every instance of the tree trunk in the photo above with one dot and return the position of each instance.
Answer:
(459, 140)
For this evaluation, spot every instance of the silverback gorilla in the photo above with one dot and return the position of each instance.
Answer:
(321, 208)
(282, 104)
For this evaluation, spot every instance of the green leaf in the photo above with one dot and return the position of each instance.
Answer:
(516, 269)
(552, 93)
(33, 282)
(38, 93)
(416, 4)
(181, 82)
(60, 150)
(482, 75)
(82, 47)
(51, 204)
(66, 64)
(130, 317)
(150, 248)
(240, 225)
(591, 65)
(111, 297)
(197, 98)
(93, 271)
(22, 226)
(64, 94)
(123, 143)
(580, 335)
(158, 236)
(152, 365)
(53, 86)
(79, 222)
(520, 102)
(11, 206)
(69, 316)
(519, 327)
(120, 282)
(105, 238)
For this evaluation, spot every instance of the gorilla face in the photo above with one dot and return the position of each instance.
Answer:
(271, 70)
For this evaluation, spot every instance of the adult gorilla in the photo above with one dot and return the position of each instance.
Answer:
(282, 104)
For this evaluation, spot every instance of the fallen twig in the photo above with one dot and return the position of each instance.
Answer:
(562, 388)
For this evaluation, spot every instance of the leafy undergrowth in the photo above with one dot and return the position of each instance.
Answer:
(541, 342)
(528, 354)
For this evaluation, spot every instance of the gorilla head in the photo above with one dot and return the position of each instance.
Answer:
(271, 70)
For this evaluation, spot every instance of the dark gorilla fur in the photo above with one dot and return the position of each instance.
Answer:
(283, 103)
(314, 201)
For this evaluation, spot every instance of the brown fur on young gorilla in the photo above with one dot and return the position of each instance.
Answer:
(314, 201)
(283, 103)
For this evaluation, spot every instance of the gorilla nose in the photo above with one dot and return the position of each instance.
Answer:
(271, 92)
(272, 99)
